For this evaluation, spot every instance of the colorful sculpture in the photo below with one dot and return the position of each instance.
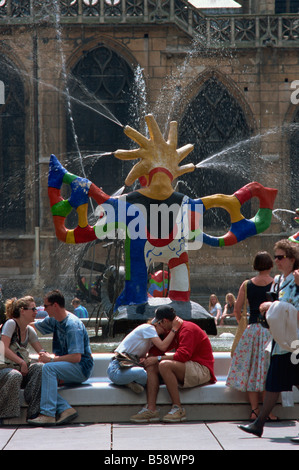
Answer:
(295, 237)
(157, 168)
(158, 284)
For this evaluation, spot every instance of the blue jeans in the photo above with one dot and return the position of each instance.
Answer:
(51, 402)
(124, 376)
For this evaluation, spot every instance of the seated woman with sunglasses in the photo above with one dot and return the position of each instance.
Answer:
(283, 373)
(16, 372)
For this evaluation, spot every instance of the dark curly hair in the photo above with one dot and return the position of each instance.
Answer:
(290, 249)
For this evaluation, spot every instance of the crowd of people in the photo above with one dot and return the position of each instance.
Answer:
(261, 365)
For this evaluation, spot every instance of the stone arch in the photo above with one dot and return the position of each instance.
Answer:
(192, 90)
(102, 77)
(12, 149)
(217, 124)
(107, 40)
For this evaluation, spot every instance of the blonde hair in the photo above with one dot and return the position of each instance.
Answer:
(13, 306)
(217, 301)
(226, 297)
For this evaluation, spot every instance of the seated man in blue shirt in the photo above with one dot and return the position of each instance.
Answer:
(72, 361)
(79, 310)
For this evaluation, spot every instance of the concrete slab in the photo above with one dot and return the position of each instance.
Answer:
(276, 436)
(76, 437)
(5, 435)
(158, 437)
(185, 436)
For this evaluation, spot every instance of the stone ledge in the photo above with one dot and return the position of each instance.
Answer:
(98, 400)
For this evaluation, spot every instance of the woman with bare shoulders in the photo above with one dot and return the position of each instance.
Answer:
(15, 371)
(283, 373)
(250, 361)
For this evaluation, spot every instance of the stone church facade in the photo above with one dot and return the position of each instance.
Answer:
(74, 72)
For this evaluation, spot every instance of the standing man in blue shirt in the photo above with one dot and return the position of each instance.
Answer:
(72, 361)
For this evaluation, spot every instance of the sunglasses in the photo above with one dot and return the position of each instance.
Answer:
(27, 308)
(49, 305)
(280, 257)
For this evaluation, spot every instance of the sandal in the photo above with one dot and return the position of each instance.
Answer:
(273, 420)
(253, 413)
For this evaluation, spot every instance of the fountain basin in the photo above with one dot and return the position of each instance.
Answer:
(128, 317)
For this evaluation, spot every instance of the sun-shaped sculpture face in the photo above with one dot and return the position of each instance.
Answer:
(155, 154)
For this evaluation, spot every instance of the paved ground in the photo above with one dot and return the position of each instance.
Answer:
(176, 438)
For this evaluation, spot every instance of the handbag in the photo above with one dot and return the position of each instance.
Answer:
(127, 360)
(274, 295)
(243, 323)
(21, 351)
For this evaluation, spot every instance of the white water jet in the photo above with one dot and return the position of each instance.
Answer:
(283, 210)
(287, 224)
(138, 108)
(224, 160)
(106, 113)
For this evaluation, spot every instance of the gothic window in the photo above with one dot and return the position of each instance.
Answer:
(100, 90)
(286, 6)
(294, 161)
(215, 123)
(12, 149)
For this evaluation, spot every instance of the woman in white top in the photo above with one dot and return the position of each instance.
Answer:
(19, 313)
(138, 343)
(215, 307)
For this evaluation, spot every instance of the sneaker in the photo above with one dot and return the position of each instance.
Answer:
(42, 420)
(145, 416)
(135, 387)
(67, 416)
(175, 415)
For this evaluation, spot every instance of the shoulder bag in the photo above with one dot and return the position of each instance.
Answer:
(21, 351)
(127, 360)
(243, 323)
